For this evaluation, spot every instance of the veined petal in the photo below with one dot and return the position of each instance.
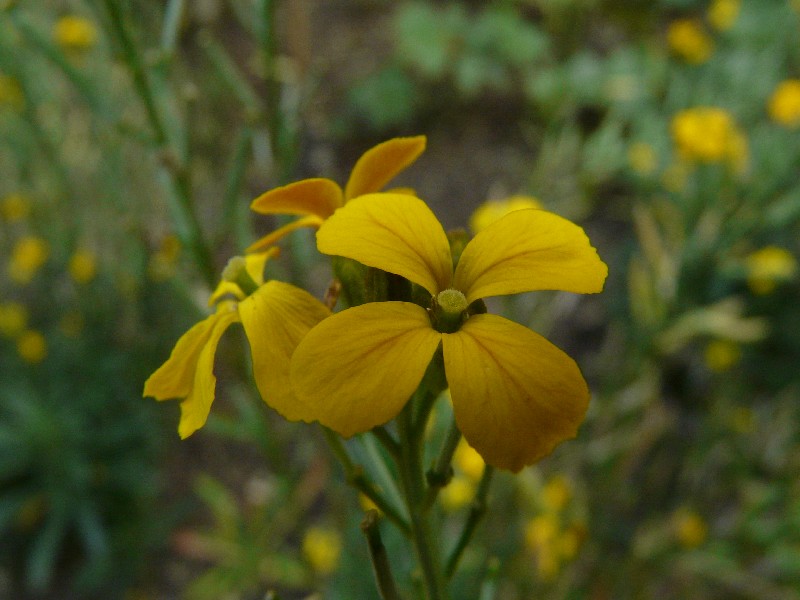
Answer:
(529, 250)
(515, 395)
(397, 233)
(281, 232)
(358, 368)
(275, 319)
(225, 288)
(379, 165)
(256, 262)
(317, 196)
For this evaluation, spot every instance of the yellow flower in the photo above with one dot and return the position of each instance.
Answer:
(13, 319)
(32, 347)
(689, 527)
(707, 134)
(515, 395)
(784, 104)
(686, 38)
(162, 262)
(721, 355)
(488, 212)
(11, 93)
(15, 207)
(28, 255)
(316, 199)
(722, 14)
(767, 267)
(82, 266)
(467, 460)
(72, 32)
(322, 549)
(275, 316)
(642, 158)
(457, 494)
(556, 493)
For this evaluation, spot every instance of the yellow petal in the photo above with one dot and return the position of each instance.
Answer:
(256, 262)
(275, 319)
(357, 368)
(280, 233)
(316, 196)
(529, 250)
(392, 232)
(225, 288)
(379, 165)
(515, 395)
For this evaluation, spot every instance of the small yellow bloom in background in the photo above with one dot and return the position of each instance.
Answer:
(556, 493)
(690, 528)
(27, 257)
(768, 267)
(707, 134)
(72, 33)
(642, 158)
(721, 355)
(783, 106)
(11, 93)
(366, 503)
(82, 266)
(322, 549)
(722, 14)
(13, 319)
(457, 494)
(163, 261)
(687, 39)
(15, 207)
(489, 212)
(314, 200)
(32, 347)
(467, 460)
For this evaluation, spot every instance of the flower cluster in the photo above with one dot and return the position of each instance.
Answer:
(515, 395)
(707, 134)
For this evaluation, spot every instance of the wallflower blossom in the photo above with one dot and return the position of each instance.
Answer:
(32, 346)
(15, 207)
(27, 257)
(686, 38)
(708, 134)
(316, 199)
(74, 33)
(459, 492)
(783, 106)
(689, 527)
(82, 266)
(488, 212)
(515, 395)
(275, 316)
(11, 94)
(722, 14)
(322, 549)
(768, 267)
(13, 319)
(721, 355)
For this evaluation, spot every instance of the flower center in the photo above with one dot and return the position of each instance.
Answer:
(449, 311)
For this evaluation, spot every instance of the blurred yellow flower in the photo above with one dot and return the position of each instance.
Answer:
(72, 32)
(322, 548)
(27, 256)
(13, 319)
(358, 368)
(457, 494)
(367, 503)
(556, 493)
(708, 134)
(314, 200)
(82, 266)
(467, 460)
(11, 93)
(642, 158)
(687, 39)
(275, 316)
(15, 207)
(722, 14)
(767, 267)
(721, 355)
(32, 346)
(783, 106)
(163, 261)
(490, 211)
(690, 528)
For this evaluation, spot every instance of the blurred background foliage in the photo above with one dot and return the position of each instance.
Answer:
(133, 135)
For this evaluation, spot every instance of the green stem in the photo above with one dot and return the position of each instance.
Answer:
(387, 441)
(380, 560)
(414, 488)
(441, 472)
(476, 512)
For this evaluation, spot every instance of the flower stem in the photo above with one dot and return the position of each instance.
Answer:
(476, 512)
(441, 473)
(380, 561)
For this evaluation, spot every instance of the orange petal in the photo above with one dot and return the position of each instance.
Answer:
(515, 395)
(316, 196)
(358, 368)
(275, 318)
(392, 232)
(379, 165)
(529, 250)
